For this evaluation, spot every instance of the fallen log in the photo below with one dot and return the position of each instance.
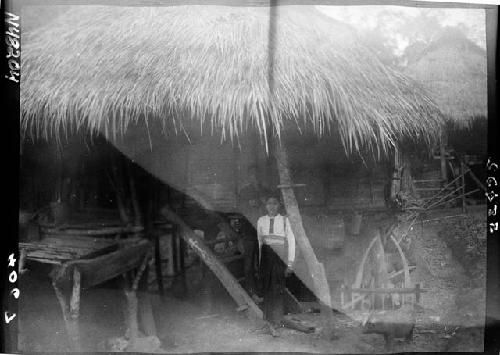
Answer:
(297, 324)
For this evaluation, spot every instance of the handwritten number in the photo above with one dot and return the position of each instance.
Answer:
(9, 318)
(13, 277)
(12, 260)
(491, 195)
(15, 292)
(491, 165)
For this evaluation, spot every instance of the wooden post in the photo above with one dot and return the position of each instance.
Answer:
(173, 241)
(158, 263)
(462, 173)
(315, 268)
(146, 315)
(72, 326)
(442, 154)
(131, 316)
(396, 174)
(417, 293)
(22, 260)
(151, 232)
(75, 295)
(132, 302)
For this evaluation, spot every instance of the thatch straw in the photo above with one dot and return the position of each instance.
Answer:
(453, 69)
(103, 67)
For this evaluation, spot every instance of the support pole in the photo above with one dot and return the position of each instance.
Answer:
(131, 316)
(159, 275)
(133, 303)
(75, 295)
(442, 153)
(314, 267)
(462, 173)
(72, 326)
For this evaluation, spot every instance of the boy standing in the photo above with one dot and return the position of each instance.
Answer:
(276, 260)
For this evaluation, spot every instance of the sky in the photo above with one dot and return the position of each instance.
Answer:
(400, 25)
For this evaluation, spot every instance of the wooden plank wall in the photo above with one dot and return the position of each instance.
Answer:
(211, 172)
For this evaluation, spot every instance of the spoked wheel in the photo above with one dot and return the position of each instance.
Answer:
(383, 266)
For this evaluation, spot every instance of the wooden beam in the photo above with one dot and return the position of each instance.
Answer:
(462, 183)
(397, 273)
(163, 3)
(292, 305)
(384, 290)
(217, 267)
(92, 231)
(315, 268)
(474, 177)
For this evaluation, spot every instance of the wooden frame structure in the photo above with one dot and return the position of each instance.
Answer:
(81, 263)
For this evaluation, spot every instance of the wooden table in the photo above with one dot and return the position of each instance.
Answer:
(81, 262)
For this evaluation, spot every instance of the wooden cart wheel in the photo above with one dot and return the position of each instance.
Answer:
(379, 277)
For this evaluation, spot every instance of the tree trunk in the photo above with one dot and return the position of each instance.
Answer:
(314, 267)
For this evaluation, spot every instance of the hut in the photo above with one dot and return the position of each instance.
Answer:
(239, 74)
(201, 96)
(453, 69)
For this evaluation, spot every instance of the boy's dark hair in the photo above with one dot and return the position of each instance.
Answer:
(274, 195)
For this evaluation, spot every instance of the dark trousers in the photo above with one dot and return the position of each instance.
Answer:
(250, 251)
(272, 276)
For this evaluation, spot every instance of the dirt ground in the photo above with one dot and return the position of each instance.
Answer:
(450, 318)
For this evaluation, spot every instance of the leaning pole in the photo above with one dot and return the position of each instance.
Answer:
(315, 269)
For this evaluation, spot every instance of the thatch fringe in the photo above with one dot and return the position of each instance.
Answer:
(103, 68)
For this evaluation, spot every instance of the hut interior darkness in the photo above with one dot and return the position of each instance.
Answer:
(176, 119)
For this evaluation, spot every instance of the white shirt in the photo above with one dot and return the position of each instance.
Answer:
(281, 230)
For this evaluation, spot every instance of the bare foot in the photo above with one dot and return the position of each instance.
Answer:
(274, 331)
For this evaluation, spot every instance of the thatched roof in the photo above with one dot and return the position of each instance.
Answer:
(103, 67)
(453, 69)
